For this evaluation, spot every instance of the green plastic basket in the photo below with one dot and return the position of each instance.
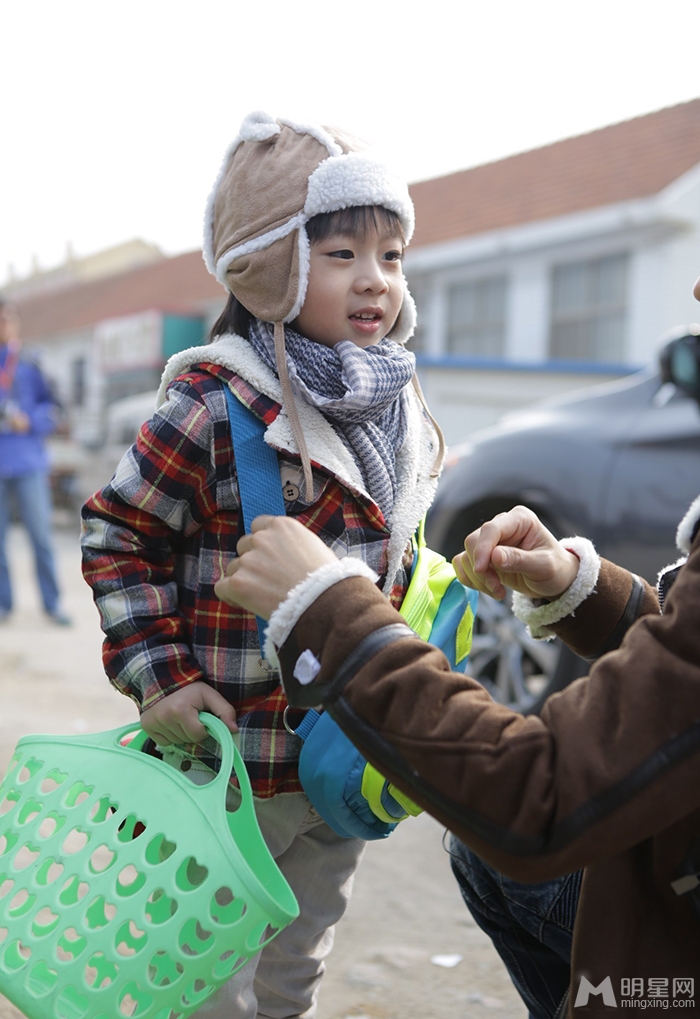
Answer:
(125, 889)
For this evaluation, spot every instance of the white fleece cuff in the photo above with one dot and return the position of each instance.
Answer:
(539, 619)
(686, 528)
(287, 614)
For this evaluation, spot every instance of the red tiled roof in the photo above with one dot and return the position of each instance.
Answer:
(634, 159)
(177, 285)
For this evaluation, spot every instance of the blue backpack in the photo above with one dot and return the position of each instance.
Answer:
(349, 793)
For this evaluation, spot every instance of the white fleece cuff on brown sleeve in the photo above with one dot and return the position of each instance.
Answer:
(539, 618)
(300, 598)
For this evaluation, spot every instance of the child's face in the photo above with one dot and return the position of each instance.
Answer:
(355, 288)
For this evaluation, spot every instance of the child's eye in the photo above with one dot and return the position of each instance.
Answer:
(393, 256)
(341, 253)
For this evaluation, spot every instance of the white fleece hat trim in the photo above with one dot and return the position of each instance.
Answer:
(538, 619)
(342, 182)
(208, 239)
(304, 270)
(256, 127)
(408, 317)
(300, 598)
(317, 132)
(684, 534)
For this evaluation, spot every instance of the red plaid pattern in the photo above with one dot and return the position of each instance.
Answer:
(161, 533)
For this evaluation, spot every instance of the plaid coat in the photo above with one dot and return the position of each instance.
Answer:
(160, 534)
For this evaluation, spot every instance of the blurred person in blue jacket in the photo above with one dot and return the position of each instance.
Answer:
(27, 415)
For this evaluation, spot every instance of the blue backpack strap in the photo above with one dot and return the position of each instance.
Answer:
(331, 774)
(258, 472)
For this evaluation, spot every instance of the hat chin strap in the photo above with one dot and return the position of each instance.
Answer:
(440, 458)
(291, 409)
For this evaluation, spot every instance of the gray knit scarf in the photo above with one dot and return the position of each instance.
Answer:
(362, 391)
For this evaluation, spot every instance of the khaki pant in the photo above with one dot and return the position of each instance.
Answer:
(282, 981)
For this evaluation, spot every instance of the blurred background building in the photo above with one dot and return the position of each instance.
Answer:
(533, 275)
(557, 267)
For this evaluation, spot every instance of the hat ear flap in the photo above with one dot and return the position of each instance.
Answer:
(267, 282)
(405, 325)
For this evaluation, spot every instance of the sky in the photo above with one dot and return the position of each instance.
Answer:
(116, 116)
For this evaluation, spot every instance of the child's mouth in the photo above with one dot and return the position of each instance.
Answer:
(366, 321)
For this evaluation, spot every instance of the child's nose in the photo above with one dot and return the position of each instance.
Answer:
(371, 277)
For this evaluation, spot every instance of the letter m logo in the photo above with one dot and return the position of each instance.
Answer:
(586, 988)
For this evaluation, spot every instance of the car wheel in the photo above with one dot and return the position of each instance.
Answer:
(517, 670)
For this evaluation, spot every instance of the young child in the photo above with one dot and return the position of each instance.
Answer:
(306, 232)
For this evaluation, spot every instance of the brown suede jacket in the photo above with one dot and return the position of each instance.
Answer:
(607, 778)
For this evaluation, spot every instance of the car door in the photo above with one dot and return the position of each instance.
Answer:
(656, 477)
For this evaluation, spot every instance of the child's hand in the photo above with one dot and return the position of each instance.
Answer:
(175, 718)
(516, 550)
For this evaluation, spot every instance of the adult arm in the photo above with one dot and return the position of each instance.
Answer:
(38, 406)
(611, 761)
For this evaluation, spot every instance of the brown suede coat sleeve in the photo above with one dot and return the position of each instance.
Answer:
(612, 760)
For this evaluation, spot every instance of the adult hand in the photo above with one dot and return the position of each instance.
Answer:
(516, 550)
(276, 556)
(175, 718)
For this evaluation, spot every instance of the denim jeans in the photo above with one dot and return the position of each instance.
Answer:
(531, 926)
(33, 500)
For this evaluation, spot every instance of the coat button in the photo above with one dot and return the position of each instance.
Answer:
(290, 491)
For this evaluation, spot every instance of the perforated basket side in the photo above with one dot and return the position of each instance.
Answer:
(112, 902)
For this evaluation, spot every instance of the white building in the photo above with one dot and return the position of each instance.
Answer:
(108, 338)
(544, 272)
(555, 268)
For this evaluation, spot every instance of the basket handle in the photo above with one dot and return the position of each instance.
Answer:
(231, 760)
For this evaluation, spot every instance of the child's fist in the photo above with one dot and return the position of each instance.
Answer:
(175, 718)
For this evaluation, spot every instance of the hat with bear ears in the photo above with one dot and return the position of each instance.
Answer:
(277, 175)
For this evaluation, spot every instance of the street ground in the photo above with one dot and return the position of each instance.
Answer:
(406, 908)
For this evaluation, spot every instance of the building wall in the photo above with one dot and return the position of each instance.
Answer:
(660, 237)
(72, 363)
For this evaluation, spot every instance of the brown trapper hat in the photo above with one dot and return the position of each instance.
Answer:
(275, 177)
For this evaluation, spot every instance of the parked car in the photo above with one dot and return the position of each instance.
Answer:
(618, 463)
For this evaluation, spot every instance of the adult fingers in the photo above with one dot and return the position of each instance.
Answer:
(263, 522)
(535, 565)
(487, 582)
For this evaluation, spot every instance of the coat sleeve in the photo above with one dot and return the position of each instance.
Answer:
(163, 491)
(612, 760)
(42, 406)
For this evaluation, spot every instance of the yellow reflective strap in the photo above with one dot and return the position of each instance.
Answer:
(411, 808)
(431, 577)
(372, 788)
(463, 638)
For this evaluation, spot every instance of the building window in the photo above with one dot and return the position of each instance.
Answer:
(476, 317)
(589, 308)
